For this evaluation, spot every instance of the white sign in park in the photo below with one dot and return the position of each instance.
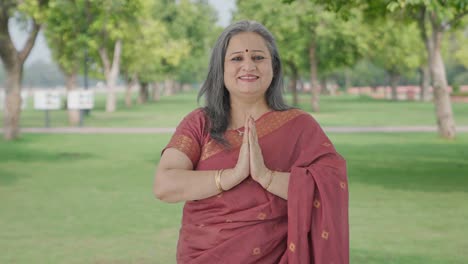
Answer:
(47, 100)
(80, 99)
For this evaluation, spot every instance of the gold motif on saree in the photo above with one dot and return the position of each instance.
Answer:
(342, 185)
(325, 235)
(261, 216)
(316, 204)
(292, 247)
(256, 251)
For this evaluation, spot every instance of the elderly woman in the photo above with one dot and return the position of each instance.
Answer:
(261, 181)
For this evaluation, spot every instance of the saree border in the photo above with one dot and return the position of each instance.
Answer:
(265, 126)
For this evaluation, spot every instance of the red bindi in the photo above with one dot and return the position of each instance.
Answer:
(246, 50)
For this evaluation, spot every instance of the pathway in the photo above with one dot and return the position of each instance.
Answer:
(147, 130)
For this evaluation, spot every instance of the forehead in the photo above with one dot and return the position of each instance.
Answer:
(246, 41)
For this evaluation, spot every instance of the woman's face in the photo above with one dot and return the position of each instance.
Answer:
(248, 67)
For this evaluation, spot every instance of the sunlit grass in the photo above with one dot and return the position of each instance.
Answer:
(88, 199)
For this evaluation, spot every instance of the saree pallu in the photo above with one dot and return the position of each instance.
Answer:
(247, 224)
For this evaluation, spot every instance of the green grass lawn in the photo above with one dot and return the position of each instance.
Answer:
(335, 111)
(88, 199)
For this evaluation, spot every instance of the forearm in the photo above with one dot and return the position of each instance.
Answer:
(176, 185)
(279, 184)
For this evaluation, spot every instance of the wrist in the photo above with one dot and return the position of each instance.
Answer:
(267, 179)
(230, 178)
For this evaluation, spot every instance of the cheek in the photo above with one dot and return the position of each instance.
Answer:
(269, 72)
(229, 68)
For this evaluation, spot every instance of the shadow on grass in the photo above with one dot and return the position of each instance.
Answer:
(409, 166)
(8, 177)
(20, 154)
(23, 156)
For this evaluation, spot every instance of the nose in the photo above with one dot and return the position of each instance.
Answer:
(249, 65)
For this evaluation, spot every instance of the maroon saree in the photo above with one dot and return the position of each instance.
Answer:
(247, 224)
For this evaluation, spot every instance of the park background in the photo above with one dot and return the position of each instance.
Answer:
(72, 193)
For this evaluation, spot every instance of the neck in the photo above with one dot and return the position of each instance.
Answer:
(240, 110)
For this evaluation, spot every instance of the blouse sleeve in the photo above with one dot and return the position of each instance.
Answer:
(318, 201)
(188, 137)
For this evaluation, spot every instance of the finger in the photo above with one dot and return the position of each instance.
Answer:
(254, 130)
(245, 138)
(251, 130)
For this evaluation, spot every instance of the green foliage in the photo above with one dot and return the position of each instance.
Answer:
(66, 34)
(76, 26)
(445, 13)
(281, 20)
(149, 45)
(459, 42)
(172, 40)
(192, 23)
(366, 73)
(35, 9)
(340, 43)
(396, 47)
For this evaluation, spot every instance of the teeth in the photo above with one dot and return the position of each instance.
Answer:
(248, 77)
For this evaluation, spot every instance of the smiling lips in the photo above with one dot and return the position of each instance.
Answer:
(248, 78)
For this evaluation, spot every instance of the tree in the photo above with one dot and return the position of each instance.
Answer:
(281, 20)
(109, 24)
(65, 33)
(395, 47)
(33, 13)
(308, 31)
(435, 18)
(195, 22)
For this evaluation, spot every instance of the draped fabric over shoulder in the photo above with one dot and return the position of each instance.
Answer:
(247, 224)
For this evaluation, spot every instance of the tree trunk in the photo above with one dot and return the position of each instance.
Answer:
(111, 72)
(144, 93)
(111, 99)
(168, 87)
(301, 86)
(13, 61)
(347, 79)
(315, 88)
(12, 109)
(128, 94)
(70, 84)
(131, 82)
(156, 92)
(177, 87)
(293, 88)
(293, 84)
(443, 105)
(323, 86)
(394, 81)
(425, 82)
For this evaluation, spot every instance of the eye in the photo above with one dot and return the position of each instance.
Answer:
(258, 57)
(237, 58)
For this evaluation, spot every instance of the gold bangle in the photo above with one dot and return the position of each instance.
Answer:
(271, 179)
(218, 180)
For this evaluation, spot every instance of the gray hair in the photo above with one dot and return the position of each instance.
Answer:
(217, 99)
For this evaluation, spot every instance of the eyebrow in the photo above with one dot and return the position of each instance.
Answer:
(235, 52)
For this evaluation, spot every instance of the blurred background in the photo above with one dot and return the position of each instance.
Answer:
(91, 90)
